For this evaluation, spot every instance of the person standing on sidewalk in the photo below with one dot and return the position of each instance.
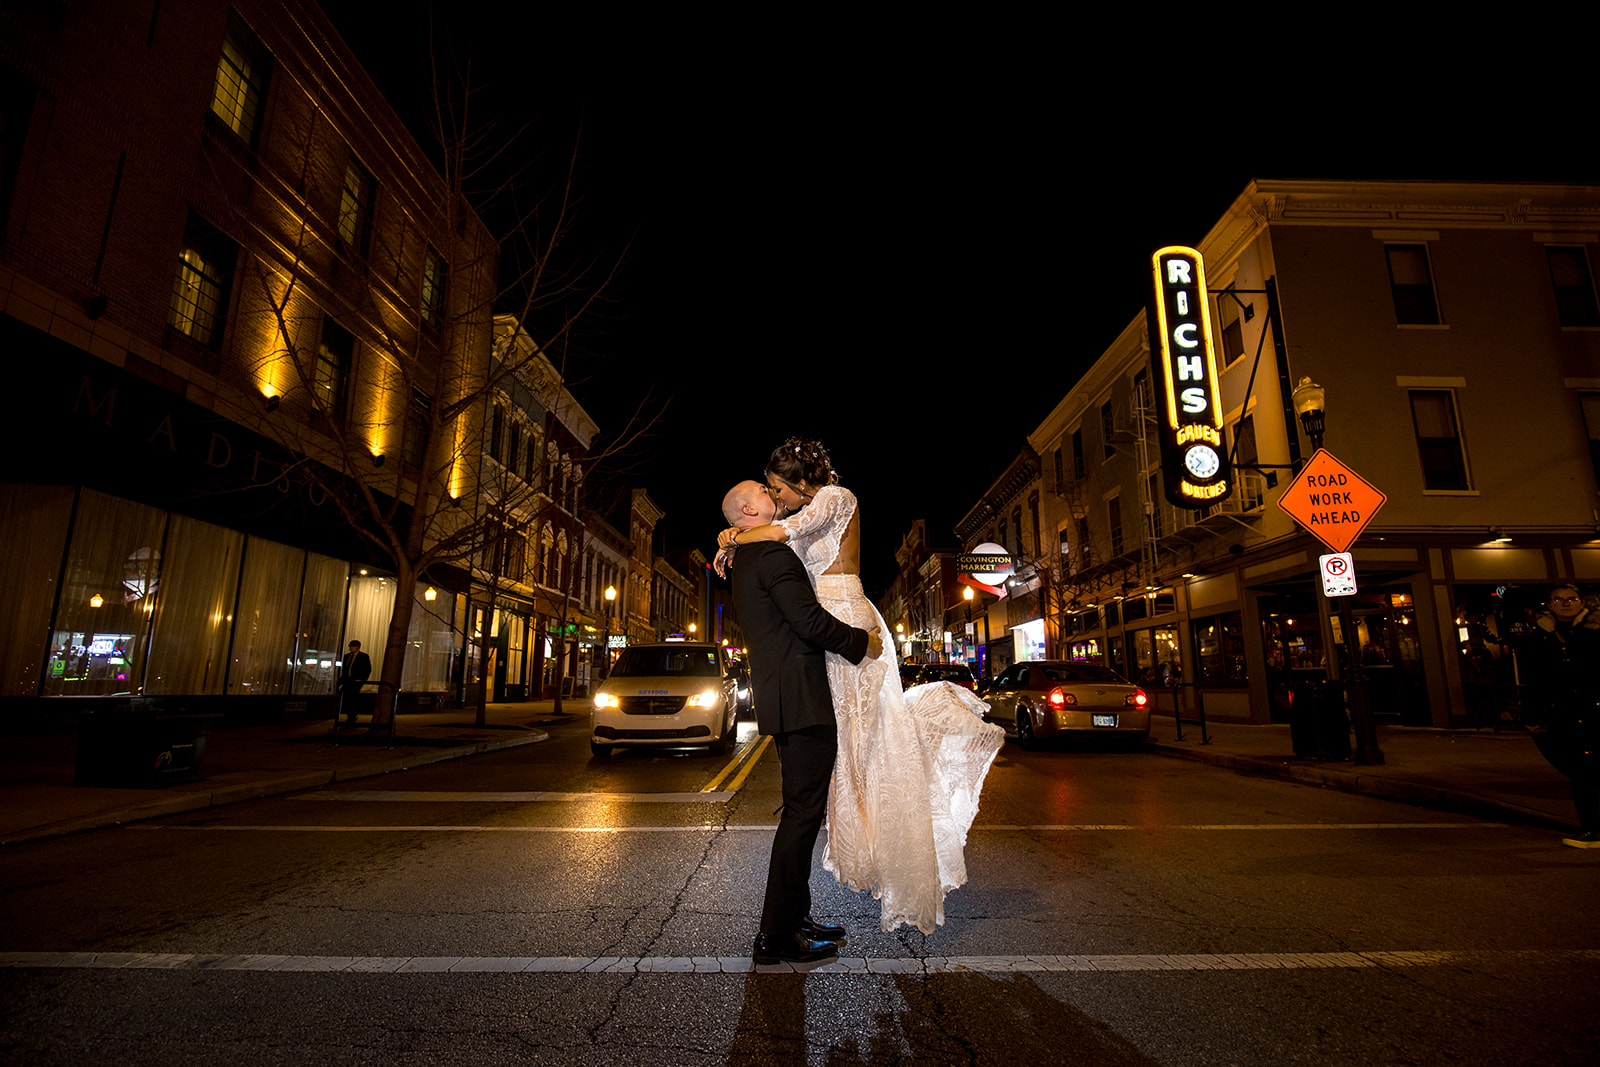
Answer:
(1561, 670)
(354, 670)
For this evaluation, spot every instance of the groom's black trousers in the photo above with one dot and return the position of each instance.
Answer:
(806, 757)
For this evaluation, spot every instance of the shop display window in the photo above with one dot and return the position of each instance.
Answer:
(194, 611)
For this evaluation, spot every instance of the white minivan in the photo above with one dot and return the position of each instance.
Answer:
(677, 693)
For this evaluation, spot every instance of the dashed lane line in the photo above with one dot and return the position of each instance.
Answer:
(742, 964)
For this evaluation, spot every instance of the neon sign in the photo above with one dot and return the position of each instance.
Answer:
(1194, 460)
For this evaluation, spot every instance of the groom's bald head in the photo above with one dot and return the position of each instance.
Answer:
(747, 504)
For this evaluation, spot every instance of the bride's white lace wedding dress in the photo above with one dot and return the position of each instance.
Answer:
(911, 764)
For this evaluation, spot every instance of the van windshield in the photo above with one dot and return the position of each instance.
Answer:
(670, 661)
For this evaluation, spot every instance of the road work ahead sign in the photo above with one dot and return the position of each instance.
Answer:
(1331, 501)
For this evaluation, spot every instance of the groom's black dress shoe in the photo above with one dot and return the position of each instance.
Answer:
(821, 932)
(792, 948)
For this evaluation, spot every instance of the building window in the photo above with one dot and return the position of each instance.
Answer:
(416, 443)
(1590, 403)
(1232, 328)
(1574, 285)
(532, 475)
(1244, 442)
(1079, 460)
(335, 354)
(205, 277)
(497, 431)
(513, 443)
(355, 208)
(1059, 469)
(1108, 426)
(1411, 281)
(433, 273)
(1444, 463)
(241, 79)
(1114, 523)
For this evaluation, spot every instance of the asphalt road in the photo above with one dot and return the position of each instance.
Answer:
(538, 906)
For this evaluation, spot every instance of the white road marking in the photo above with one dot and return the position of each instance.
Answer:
(456, 828)
(419, 796)
(1246, 961)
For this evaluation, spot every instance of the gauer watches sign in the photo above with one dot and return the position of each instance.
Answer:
(1194, 458)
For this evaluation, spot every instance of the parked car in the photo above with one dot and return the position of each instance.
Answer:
(1038, 699)
(955, 673)
(678, 693)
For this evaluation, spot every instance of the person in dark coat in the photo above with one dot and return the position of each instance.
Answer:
(788, 633)
(354, 670)
(1559, 657)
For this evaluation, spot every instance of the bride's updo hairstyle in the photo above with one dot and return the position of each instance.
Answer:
(800, 460)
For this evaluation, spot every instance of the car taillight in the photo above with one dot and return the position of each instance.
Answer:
(1138, 699)
(1060, 698)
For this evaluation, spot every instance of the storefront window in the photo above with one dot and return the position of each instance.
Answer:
(371, 605)
(113, 572)
(194, 613)
(264, 624)
(33, 527)
(1029, 638)
(1219, 649)
(1085, 651)
(322, 604)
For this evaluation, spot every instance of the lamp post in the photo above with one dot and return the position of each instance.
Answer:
(1310, 404)
(605, 647)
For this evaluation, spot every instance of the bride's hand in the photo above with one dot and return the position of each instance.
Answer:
(725, 538)
(722, 562)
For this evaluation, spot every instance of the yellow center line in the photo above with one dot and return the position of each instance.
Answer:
(746, 756)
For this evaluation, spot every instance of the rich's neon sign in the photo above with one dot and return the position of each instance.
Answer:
(1194, 464)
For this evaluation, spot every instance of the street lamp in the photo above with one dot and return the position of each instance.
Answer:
(605, 647)
(1309, 400)
(1310, 403)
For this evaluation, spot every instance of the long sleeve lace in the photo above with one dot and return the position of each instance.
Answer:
(816, 530)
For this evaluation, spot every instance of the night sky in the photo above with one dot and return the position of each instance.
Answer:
(909, 242)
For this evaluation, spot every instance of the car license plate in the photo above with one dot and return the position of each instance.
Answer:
(1103, 720)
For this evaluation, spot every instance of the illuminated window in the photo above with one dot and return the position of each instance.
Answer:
(355, 208)
(205, 276)
(1444, 462)
(241, 79)
(1574, 285)
(335, 354)
(1411, 281)
(433, 291)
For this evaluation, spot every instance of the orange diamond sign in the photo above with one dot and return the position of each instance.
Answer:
(1331, 501)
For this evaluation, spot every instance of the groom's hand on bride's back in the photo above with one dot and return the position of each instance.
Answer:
(874, 644)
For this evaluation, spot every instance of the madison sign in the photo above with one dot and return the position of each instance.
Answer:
(1194, 460)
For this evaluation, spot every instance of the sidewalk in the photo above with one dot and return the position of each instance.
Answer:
(38, 799)
(1498, 776)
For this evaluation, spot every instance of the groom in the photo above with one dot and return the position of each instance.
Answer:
(788, 632)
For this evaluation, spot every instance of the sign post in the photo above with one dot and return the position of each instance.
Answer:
(1334, 504)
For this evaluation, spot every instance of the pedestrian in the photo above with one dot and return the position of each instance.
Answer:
(354, 670)
(1561, 672)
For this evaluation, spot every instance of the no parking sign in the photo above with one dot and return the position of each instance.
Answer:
(1338, 574)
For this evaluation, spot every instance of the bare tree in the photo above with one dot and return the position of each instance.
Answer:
(372, 340)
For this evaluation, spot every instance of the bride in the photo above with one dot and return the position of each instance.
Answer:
(911, 764)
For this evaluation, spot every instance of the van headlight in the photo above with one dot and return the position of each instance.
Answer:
(606, 700)
(707, 699)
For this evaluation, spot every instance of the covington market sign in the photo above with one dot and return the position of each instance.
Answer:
(1195, 469)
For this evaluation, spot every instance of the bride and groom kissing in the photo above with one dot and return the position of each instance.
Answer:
(895, 774)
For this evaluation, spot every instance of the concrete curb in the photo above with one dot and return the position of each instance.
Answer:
(194, 800)
(1382, 786)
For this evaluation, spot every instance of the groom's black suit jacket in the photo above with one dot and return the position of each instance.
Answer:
(788, 632)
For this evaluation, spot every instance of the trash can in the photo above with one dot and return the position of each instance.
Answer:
(136, 748)
(1318, 727)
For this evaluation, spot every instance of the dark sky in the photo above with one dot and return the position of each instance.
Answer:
(909, 243)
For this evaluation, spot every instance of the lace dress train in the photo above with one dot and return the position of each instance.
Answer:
(909, 773)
